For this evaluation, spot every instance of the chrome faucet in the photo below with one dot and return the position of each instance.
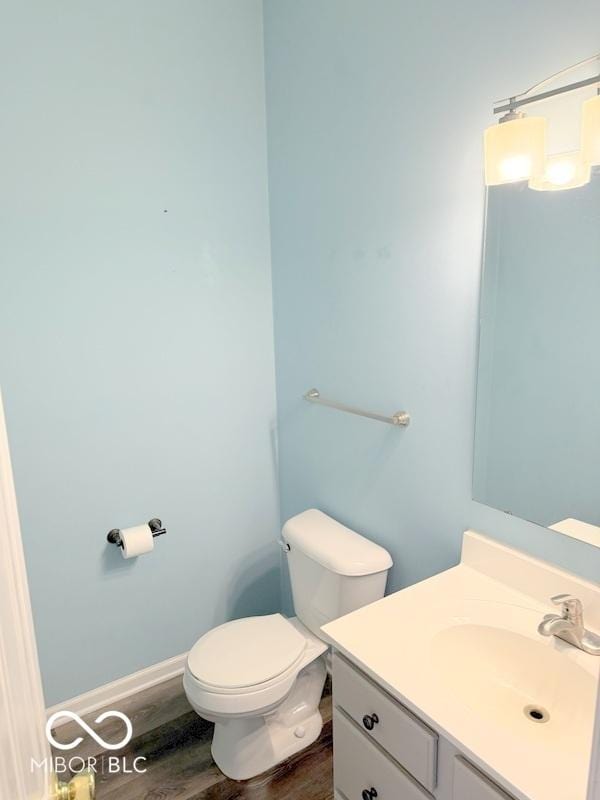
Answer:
(569, 626)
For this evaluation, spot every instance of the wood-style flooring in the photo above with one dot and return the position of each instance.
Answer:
(176, 743)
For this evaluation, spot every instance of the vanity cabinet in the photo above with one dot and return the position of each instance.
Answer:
(382, 751)
(408, 740)
(363, 771)
(470, 784)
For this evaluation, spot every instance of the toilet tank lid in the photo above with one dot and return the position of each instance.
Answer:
(333, 545)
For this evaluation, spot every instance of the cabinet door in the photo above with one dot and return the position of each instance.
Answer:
(408, 740)
(470, 784)
(361, 771)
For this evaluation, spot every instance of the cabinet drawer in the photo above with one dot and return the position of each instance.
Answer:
(470, 784)
(360, 766)
(394, 727)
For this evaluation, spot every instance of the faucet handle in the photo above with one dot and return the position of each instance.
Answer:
(572, 607)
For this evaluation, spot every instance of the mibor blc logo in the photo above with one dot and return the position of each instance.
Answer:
(82, 724)
(102, 763)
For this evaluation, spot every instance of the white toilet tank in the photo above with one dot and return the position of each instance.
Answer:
(333, 570)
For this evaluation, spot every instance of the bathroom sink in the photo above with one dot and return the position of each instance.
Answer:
(463, 652)
(516, 681)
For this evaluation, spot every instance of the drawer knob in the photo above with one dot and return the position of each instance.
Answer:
(369, 721)
(369, 794)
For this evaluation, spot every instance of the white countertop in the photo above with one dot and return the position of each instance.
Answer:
(462, 651)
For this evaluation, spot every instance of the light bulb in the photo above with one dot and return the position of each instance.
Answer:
(515, 168)
(562, 171)
(514, 149)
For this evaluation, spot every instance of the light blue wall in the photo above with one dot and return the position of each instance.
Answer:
(375, 116)
(135, 295)
(537, 445)
(136, 354)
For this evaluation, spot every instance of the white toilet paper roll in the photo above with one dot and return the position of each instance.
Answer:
(136, 541)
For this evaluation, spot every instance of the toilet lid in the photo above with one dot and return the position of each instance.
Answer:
(246, 652)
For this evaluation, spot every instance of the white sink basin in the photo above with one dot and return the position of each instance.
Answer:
(534, 691)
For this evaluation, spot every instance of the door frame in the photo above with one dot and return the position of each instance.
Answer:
(22, 707)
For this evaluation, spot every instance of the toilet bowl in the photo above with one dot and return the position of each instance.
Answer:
(260, 679)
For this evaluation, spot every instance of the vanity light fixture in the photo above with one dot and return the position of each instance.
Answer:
(515, 148)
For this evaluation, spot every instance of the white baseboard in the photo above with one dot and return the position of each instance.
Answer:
(111, 693)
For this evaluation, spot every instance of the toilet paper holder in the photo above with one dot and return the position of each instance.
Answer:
(155, 525)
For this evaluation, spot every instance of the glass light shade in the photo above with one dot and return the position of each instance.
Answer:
(590, 131)
(562, 171)
(514, 150)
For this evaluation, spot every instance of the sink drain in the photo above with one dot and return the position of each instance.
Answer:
(536, 713)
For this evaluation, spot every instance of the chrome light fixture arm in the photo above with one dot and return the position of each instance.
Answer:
(513, 103)
(510, 104)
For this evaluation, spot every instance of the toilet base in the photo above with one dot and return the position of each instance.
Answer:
(244, 747)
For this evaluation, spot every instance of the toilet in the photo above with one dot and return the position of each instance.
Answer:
(260, 679)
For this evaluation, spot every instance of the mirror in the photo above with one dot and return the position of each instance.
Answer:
(537, 428)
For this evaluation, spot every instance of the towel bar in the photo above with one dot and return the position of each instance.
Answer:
(399, 418)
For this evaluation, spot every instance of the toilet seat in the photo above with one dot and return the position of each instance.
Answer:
(282, 638)
(246, 653)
